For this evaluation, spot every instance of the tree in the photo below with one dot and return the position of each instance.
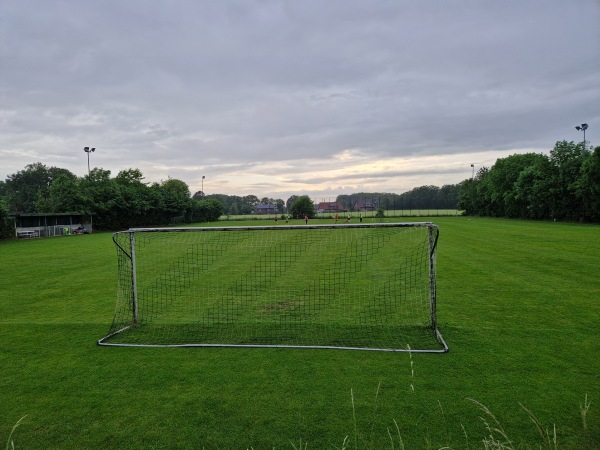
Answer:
(177, 200)
(533, 191)
(129, 176)
(137, 206)
(448, 196)
(25, 188)
(423, 197)
(501, 181)
(251, 200)
(290, 201)
(467, 197)
(303, 206)
(280, 204)
(104, 200)
(474, 194)
(6, 224)
(588, 186)
(564, 185)
(529, 169)
(65, 194)
(568, 159)
(208, 210)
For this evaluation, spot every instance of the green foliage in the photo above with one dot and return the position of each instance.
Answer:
(208, 210)
(303, 206)
(176, 202)
(568, 159)
(65, 194)
(232, 204)
(587, 187)
(113, 203)
(423, 197)
(564, 185)
(6, 224)
(24, 189)
(236, 205)
(106, 200)
(290, 201)
(129, 176)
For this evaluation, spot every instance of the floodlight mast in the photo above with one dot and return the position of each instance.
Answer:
(582, 127)
(88, 151)
(203, 185)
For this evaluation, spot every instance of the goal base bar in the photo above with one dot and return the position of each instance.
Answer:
(444, 349)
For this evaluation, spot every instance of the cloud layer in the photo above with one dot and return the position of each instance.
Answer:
(275, 97)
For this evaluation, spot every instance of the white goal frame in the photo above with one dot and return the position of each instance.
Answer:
(127, 250)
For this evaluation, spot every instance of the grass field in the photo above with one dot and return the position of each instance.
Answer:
(518, 304)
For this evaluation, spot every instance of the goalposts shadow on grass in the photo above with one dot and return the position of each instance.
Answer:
(347, 286)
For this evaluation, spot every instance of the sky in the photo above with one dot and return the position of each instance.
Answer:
(275, 98)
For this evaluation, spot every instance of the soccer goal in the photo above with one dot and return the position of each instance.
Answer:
(351, 286)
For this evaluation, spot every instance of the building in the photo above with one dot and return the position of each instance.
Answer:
(52, 224)
(366, 204)
(265, 209)
(330, 207)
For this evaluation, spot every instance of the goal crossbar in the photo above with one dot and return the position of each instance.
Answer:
(343, 286)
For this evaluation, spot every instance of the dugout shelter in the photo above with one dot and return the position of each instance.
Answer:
(53, 224)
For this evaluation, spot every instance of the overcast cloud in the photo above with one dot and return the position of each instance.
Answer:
(275, 97)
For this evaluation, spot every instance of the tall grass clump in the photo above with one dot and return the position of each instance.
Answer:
(393, 435)
(584, 411)
(10, 444)
(497, 438)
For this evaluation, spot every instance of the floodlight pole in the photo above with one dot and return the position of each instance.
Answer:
(473, 174)
(582, 127)
(88, 151)
(203, 185)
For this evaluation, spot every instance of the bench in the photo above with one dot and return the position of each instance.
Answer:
(28, 234)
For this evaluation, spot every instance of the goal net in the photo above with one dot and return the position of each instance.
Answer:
(354, 286)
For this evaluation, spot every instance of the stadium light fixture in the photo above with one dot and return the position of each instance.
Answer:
(582, 127)
(88, 151)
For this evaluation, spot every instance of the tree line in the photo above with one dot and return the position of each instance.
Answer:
(235, 205)
(422, 197)
(125, 200)
(564, 185)
(118, 202)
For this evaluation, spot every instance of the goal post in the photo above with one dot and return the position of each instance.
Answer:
(348, 286)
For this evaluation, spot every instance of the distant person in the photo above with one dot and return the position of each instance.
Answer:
(348, 218)
(360, 217)
(336, 218)
(306, 219)
(275, 219)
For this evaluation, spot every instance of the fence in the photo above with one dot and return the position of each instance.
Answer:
(392, 213)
